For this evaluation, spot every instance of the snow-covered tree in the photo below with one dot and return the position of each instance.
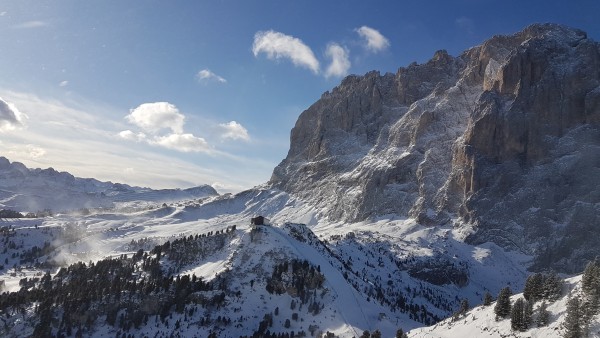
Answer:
(572, 323)
(543, 316)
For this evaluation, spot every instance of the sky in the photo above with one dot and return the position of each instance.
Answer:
(168, 94)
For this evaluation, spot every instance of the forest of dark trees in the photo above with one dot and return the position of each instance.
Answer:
(124, 292)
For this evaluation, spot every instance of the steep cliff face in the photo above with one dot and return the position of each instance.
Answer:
(503, 138)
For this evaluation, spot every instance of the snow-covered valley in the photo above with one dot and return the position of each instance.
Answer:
(384, 275)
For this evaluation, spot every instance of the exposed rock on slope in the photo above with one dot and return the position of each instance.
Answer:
(504, 137)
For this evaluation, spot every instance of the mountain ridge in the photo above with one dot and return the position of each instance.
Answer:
(32, 190)
(451, 140)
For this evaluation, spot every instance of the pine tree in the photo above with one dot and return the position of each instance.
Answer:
(516, 315)
(534, 287)
(590, 284)
(487, 299)
(552, 287)
(543, 316)
(502, 308)
(527, 315)
(464, 306)
(571, 324)
(401, 334)
(590, 281)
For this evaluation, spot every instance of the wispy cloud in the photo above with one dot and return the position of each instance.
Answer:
(31, 24)
(10, 117)
(63, 83)
(277, 45)
(183, 142)
(156, 116)
(131, 136)
(205, 75)
(340, 63)
(465, 24)
(79, 137)
(374, 40)
(234, 131)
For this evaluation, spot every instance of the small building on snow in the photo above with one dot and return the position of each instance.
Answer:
(259, 220)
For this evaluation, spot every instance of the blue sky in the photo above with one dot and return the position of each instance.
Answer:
(181, 93)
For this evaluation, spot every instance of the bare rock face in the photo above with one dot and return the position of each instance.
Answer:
(504, 139)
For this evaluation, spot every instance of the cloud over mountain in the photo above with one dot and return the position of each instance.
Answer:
(375, 41)
(153, 117)
(182, 142)
(277, 45)
(234, 131)
(340, 63)
(10, 117)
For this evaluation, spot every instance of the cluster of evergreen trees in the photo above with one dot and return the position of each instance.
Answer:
(581, 309)
(124, 292)
(539, 286)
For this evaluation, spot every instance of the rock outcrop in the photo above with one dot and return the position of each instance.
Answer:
(503, 139)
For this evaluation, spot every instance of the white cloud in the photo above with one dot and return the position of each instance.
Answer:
(206, 75)
(183, 142)
(10, 117)
(31, 24)
(154, 117)
(376, 42)
(340, 63)
(28, 151)
(35, 151)
(277, 45)
(131, 136)
(63, 83)
(79, 137)
(234, 131)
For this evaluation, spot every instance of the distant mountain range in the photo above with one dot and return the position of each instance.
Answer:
(31, 190)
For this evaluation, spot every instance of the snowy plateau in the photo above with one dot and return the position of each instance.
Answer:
(415, 194)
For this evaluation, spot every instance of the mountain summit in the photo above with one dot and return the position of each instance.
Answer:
(502, 140)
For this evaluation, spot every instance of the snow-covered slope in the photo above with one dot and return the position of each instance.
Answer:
(386, 215)
(385, 275)
(33, 190)
(502, 138)
(481, 321)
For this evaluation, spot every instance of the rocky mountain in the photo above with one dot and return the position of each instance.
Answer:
(502, 141)
(31, 190)
(405, 199)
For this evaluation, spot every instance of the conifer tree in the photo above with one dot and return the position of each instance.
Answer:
(571, 324)
(534, 286)
(552, 288)
(527, 315)
(401, 334)
(487, 299)
(502, 308)
(516, 315)
(543, 316)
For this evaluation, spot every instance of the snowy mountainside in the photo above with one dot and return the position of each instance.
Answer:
(481, 321)
(32, 190)
(382, 276)
(502, 138)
